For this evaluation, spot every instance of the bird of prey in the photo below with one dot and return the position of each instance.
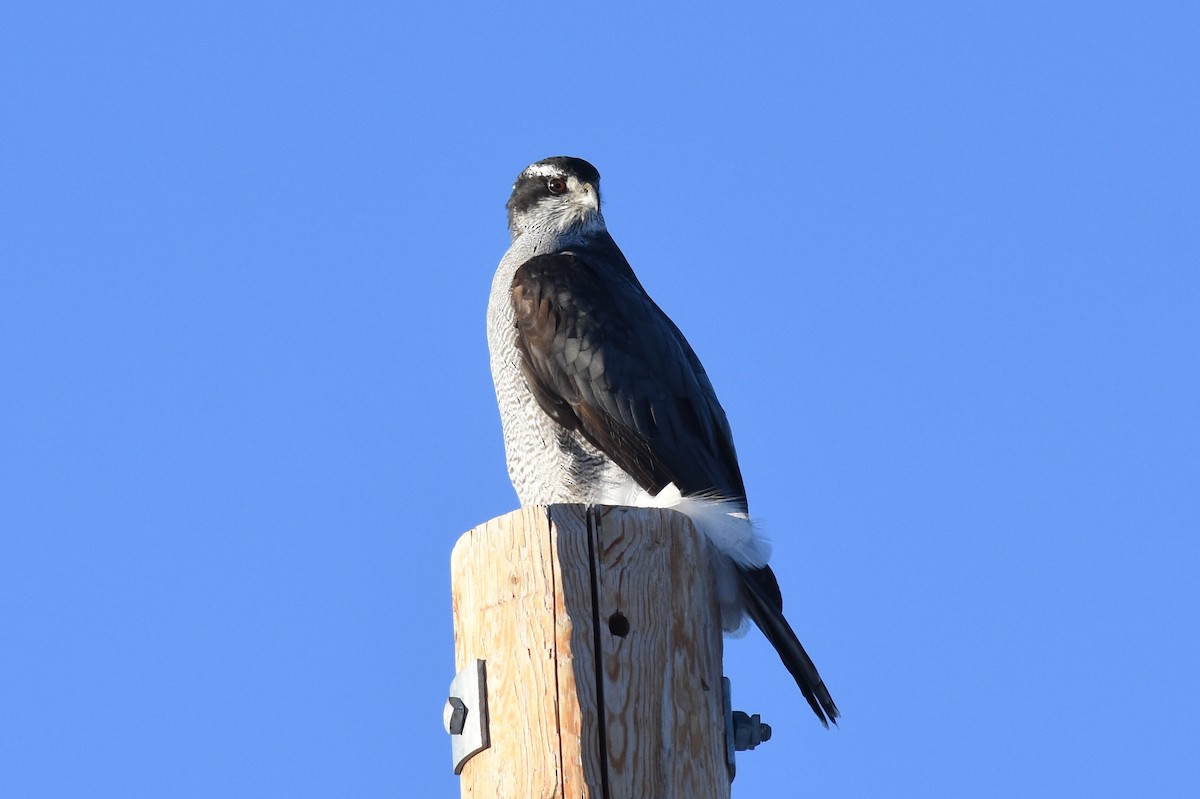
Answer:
(603, 400)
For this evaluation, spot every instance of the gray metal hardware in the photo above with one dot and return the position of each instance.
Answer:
(742, 731)
(749, 731)
(466, 715)
(730, 758)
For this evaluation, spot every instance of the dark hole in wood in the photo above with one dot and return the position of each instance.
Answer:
(618, 625)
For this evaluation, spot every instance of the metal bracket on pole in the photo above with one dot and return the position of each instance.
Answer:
(726, 701)
(742, 731)
(466, 714)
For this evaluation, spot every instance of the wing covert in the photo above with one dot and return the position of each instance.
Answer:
(601, 358)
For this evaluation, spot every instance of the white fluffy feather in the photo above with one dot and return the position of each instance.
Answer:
(726, 527)
(729, 529)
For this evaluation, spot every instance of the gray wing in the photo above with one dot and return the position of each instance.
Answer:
(602, 359)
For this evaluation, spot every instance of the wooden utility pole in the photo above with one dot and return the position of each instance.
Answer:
(601, 641)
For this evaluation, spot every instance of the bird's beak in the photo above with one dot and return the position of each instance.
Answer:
(589, 196)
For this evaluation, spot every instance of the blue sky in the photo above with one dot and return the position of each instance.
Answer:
(940, 261)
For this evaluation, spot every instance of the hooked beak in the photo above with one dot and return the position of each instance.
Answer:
(589, 197)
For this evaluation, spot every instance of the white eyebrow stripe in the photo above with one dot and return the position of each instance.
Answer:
(543, 170)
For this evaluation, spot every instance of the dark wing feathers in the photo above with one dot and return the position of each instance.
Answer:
(603, 359)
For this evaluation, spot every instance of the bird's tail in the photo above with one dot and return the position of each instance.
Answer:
(765, 606)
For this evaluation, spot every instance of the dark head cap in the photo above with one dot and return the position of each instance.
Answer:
(565, 165)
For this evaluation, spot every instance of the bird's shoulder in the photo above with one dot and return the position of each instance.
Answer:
(572, 303)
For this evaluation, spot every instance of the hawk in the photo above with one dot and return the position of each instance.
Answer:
(603, 401)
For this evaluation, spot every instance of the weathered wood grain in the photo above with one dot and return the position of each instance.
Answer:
(662, 678)
(503, 573)
(603, 650)
(578, 701)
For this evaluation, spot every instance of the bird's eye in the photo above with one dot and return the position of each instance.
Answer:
(556, 185)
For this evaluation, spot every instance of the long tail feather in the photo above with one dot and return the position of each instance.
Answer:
(763, 606)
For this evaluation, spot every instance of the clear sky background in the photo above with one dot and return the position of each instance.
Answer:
(940, 260)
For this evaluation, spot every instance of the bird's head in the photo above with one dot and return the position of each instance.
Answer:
(559, 197)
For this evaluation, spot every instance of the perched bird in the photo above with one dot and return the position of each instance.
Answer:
(603, 400)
